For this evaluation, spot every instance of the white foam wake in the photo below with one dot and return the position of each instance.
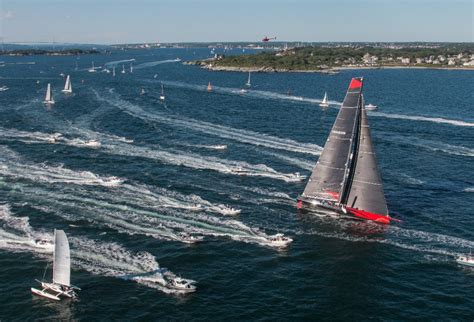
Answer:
(439, 120)
(243, 136)
(155, 63)
(100, 258)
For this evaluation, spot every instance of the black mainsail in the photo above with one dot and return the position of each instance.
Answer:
(346, 177)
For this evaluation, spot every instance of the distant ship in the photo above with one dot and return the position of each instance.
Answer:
(324, 103)
(209, 87)
(67, 86)
(346, 179)
(49, 95)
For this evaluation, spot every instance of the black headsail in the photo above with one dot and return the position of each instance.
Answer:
(331, 171)
(365, 190)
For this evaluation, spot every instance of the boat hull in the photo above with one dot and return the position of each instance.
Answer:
(44, 294)
(315, 205)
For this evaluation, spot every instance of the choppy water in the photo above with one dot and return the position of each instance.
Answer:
(161, 170)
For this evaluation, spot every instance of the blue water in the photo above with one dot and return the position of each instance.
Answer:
(174, 180)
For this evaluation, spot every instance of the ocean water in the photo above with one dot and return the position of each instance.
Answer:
(159, 172)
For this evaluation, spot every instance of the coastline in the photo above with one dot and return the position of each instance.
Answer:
(333, 70)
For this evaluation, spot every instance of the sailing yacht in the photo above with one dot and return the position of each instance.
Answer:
(131, 68)
(324, 103)
(123, 69)
(49, 95)
(61, 284)
(67, 86)
(92, 69)
(113, 71)
(248, 84)
(209, 87)
(346, 179)
(162, 96)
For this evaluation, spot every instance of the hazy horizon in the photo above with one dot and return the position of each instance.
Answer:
(119, 21)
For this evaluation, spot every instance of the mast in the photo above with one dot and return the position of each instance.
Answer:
(328, 178)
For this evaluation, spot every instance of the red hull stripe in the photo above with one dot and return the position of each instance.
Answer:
(369, 215)
(355, 83)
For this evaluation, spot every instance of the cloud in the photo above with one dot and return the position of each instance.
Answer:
(6, 15)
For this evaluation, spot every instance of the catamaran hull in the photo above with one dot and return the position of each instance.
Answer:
(44, 294)
(315, 205)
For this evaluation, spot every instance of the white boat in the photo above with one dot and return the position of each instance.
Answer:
(131, 68)
(44, 244)
(67, 86)
(53, 138)
(243, 91)
(49, 95)
(3, 88)
(113, 71)
(92, 69)
(324, 103)
(189, 239)
(155, 76)
(230, 211)
(123, 69)
(92, 143)
(299, 177)
(218, 147)
(142, 91)
(179, 283)
(162, 95)
(279, 240)
(248, 84)
(60, 286)
(62, 75)
(370, 107)
(466, 260)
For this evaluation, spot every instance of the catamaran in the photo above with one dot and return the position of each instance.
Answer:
(61, 285)
(209, 87)
(49, 95)
(248, 84)
(67, 86)
(346, 179)
(162, 96)
(324, 103)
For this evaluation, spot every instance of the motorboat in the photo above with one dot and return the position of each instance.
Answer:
(466, 260)
(279, 240)
(370, 107)
(179, 283)
(92, 143)
(230, 211)
(189, 239)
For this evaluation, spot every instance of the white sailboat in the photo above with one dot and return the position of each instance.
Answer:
(61, 283)
(162, 96)
(248, 84)
(123, 69)
(92, 69)
(324, 103)
(49, 95)
(67, 86)
(131, 68)
(113, 71)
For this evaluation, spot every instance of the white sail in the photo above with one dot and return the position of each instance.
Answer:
(113, 71)
(67, 85)
(131, 68)
(62, 259)
(248, 81)
(49, 95)
(325, 99)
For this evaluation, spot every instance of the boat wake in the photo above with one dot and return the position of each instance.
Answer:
(438, 120)
(155, 63)
(243, 136)
(118, 62)
(99, 258)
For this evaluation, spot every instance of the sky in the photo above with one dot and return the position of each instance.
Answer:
(136, 21)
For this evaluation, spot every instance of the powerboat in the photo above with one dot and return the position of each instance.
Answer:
(230, 211)
(92, 143)
(370, 107)
(179, 283)
(279, 240)
(466, 260)
(189, 239)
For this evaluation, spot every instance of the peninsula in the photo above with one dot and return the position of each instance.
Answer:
(330, 58)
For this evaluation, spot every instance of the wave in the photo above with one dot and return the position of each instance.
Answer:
(99, 258)
(438, 120)
(243, 136)
(155, 63)
(117, 62)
